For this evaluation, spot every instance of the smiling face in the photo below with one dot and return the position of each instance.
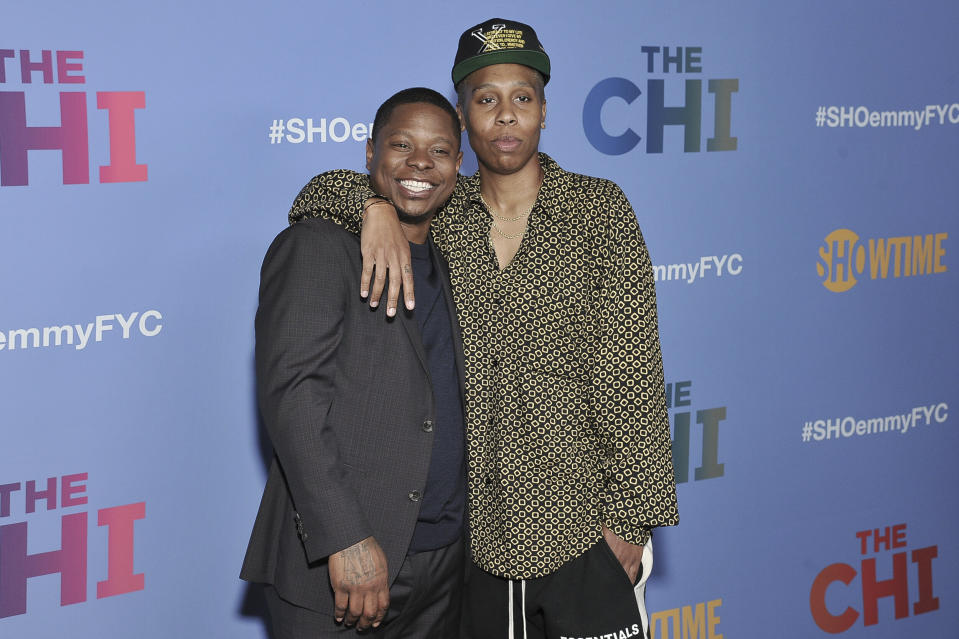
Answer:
(503, 109)
(414, 160)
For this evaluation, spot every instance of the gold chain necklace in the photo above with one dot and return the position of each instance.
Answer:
(506, 219)
(507, 235)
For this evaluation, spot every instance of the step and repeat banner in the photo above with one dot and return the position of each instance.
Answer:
(794, 170)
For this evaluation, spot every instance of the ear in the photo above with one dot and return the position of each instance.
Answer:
(542, 120)
(459, 112)
(459, 161)
(369, 153)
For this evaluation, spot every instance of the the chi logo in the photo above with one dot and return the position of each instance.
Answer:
(71, 137)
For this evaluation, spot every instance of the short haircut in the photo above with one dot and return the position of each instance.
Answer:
(415, 95)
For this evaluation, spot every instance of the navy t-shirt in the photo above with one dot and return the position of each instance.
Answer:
(440, 521)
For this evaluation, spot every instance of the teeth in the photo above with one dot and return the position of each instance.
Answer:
(416, 185)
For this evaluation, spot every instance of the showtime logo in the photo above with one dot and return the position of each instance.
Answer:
(71, 137)
(843, 259)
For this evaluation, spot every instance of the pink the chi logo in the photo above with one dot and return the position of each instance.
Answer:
(71, 137)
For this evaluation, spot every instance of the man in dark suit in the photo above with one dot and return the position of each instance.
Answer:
(361, 521)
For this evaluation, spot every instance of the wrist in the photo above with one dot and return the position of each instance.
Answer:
(374, 200)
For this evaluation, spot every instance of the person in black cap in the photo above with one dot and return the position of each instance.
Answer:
(568, 446)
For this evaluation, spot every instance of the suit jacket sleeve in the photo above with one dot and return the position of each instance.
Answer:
(299, 324)
(628, 391)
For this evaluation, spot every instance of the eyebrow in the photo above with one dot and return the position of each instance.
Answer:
(490, 85)
(441, 138)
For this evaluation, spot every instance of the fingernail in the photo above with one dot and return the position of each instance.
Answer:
(364, 293)
(410, 304)
(374, 303)
(391, 311)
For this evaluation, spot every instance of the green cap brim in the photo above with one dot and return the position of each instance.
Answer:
(533, 59)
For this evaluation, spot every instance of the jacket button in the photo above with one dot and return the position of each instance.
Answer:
(428, 426)
(415, 495)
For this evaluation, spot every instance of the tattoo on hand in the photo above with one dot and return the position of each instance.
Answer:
(357, 564)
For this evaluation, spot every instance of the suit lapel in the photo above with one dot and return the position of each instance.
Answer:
(406, 318)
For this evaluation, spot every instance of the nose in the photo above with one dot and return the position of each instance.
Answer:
(506, 115)
(420, 158)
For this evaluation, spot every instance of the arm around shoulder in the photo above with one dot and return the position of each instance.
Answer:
(336, 195)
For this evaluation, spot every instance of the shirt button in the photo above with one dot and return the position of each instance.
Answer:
(428, 426)
(415, 495)
(494, 363)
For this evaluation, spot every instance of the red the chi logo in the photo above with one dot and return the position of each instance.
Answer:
(874, 587)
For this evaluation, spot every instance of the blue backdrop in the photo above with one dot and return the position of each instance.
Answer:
(793, 168)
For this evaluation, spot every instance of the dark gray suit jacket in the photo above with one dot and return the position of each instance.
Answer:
(346, 397)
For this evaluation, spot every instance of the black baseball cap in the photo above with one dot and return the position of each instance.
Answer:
(499, 41)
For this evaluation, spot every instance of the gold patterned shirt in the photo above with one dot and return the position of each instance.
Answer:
(565, 399)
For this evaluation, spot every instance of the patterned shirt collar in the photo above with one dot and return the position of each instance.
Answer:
(555, 180)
